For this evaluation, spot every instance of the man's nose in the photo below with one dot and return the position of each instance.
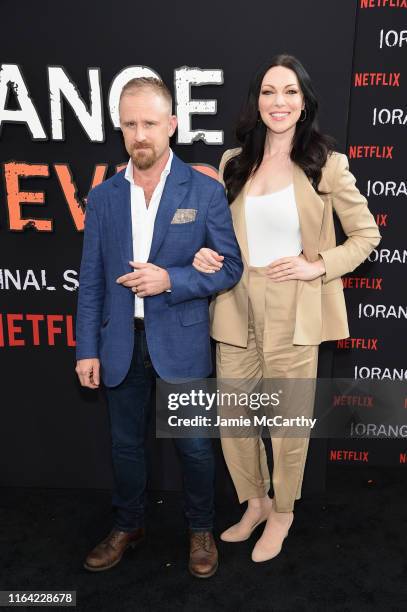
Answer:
(139, 134)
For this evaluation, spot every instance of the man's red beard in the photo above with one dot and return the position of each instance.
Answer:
(143, 157)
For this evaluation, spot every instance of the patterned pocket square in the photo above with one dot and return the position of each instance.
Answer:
(184, 215)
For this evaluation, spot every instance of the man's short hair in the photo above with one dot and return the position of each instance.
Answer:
(153, 83)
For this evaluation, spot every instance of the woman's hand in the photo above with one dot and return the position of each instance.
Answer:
(207, 260)
(295, 268)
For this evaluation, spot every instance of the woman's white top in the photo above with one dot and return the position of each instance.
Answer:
(272, 226)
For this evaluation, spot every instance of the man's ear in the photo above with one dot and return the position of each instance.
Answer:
(172, 126)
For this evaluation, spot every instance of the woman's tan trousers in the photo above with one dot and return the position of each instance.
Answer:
(271, 323)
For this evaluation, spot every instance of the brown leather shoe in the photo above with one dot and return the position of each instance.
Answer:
(203, 555)
(109, 552)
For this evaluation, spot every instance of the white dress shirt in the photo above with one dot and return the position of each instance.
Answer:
(273, 226)
(142, 220)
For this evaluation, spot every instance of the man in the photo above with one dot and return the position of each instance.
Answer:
(143, 310)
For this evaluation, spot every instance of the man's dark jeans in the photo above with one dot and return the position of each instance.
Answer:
(129, 406)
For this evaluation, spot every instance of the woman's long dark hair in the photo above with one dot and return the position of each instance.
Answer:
(310, 148)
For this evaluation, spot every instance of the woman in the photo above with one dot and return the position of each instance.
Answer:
(283, 185)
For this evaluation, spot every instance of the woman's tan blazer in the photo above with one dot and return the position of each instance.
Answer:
(321, 310)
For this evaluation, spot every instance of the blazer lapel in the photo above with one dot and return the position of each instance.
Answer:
(175, 190)
(310, 208)
(122, 218)
(237, 209)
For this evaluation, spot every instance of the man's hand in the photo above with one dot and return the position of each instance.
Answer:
(148, 279)
(207, 260)
(295, 268)
(88, 371)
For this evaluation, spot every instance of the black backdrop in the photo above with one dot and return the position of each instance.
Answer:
(376, 292)
(53, 433)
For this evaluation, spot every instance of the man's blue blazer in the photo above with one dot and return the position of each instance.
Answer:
(176, 322)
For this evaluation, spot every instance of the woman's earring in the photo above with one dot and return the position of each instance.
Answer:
(304, 110)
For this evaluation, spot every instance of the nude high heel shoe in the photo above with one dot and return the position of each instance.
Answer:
(271, 541)
(242, 530)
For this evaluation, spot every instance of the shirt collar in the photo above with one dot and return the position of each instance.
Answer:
(128, 175)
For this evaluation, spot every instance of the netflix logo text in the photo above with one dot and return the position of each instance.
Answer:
(370, 4)
(377, 79)
(362, 282)
(371, 151)
(348, 455)
(382, 219)
(359, 401)
(365, 344)
(22, 329)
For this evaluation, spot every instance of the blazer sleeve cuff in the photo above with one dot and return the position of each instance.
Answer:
(334, 265)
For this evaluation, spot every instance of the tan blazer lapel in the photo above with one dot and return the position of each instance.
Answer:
(237, 209)
(310, 208)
